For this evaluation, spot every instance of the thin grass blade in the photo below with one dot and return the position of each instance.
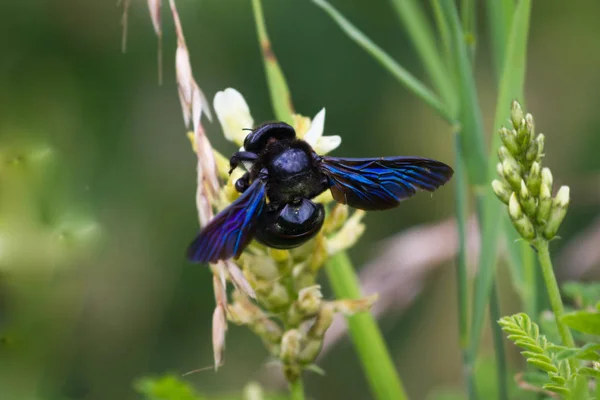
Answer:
(401, 74)
(511, 87)
(420, 31)
(499, 17)
(471, 132)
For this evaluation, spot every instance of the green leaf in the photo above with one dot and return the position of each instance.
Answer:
(589, 372)
(444, 32)
(559, 380)
(541, 357)
(583, 294)
(281, 98)
(544, 366)
(419, 29)
(365, 334)
(499, 15)
(583, 321)
(529, 346)
(461, 205)
(588, 352)
(557, 389)
(535, 377)
(401, 74)
(566, 354)
(469, 113)
(168, 387)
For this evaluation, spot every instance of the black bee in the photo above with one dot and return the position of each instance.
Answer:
(287, 171)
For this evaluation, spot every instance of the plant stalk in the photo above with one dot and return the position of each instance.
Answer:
(498, 340)
(556, 303)
(297, 389)
(372, 351)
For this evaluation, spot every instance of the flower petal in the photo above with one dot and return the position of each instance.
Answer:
(325, 144)
(233, 114)
(316, 128)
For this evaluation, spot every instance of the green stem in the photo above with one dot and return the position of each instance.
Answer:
(279, 92)
(531, 277)
(365, 334)
(297, 390)
(558, 309)
(461, 266)
(498, 340)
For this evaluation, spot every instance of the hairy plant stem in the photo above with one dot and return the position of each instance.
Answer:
(297, 389)
(543, 253)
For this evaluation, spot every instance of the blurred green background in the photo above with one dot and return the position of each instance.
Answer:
(97, 183)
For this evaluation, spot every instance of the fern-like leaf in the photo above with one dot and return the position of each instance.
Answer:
(538, 352)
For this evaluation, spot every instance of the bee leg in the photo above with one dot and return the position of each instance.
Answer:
(243, 183)
(240, 156)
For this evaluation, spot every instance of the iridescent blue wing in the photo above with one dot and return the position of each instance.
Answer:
(227, 234)
(381, 183)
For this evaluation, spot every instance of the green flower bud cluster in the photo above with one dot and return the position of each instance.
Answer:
(289, 314)
(524, 185)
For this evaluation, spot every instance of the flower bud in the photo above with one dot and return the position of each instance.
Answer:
(560, 204)
(353, 306)
(540, 141)
(544, 205)
(263, 268)
(268, 330)
(532, 152)
(499, 170)
(547, 179)
(335, 219)
(253, 391)
(534, 180)
(526, 200)
(310, 351)
(514, 208)
(320, 253)
(510, 140)
(309, 300)
(523, 135)
(502, 190)
(529, 123)
(520, 221)
(503, 153)
(516, 113)
(512, 173)
(290, 346)
(307, 305)
(323, 321)
(348, 235)
(277, 296)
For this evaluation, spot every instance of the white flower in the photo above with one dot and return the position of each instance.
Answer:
(235, 118)
(233, 114)
(314, 136)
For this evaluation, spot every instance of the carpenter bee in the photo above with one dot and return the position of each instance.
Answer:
(285, 173)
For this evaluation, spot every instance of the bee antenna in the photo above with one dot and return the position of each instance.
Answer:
(247, 129)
